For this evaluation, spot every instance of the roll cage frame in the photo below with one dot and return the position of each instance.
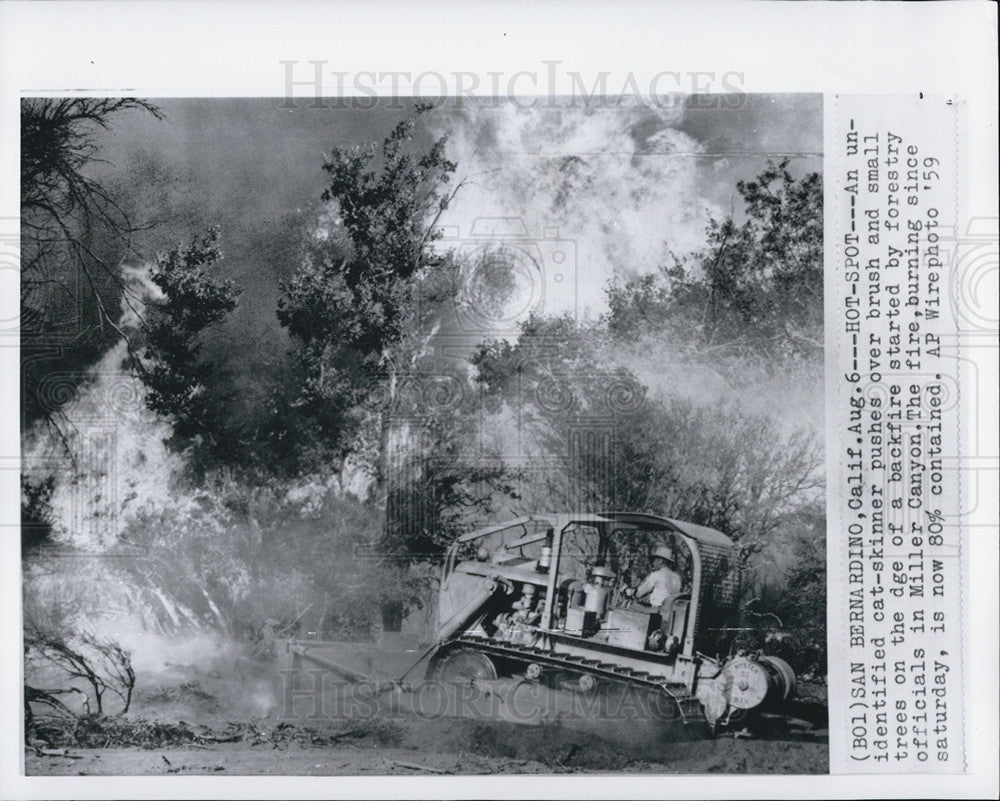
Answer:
(691, 534)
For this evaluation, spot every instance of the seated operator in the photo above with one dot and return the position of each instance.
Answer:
(662, 585)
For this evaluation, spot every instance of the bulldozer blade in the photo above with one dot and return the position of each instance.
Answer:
(387, 660)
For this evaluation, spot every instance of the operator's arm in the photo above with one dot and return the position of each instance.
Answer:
(646, 587)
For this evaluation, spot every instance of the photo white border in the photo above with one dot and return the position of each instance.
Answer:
(226, 48)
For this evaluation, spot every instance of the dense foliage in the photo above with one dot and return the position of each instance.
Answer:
(754, 293)
(353, 305)
(192, 299)
(621, 448)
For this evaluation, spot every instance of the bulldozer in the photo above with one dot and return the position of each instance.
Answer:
(540, 607)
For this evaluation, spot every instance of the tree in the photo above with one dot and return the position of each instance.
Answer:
(756, 290)
(750, 306)
(361, 310)
(60, 649)
(440, 477)
(72, 228)
(353, 305)
(619, 448)
(73, 236)
(192, 299)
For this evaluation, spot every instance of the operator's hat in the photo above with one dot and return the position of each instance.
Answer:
(664, 552)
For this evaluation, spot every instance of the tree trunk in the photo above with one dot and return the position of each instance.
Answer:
(392, 615)
(391, 609)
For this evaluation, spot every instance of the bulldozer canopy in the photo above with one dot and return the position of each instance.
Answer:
(700, 534)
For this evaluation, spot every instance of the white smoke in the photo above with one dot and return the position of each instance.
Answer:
(105, 450)
(618, 190)
(120, 462)
(603, 193)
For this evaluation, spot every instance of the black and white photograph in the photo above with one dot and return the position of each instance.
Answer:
(456, 438)
(438, 412)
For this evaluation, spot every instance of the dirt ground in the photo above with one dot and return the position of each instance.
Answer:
(240, 759)
(406, 744)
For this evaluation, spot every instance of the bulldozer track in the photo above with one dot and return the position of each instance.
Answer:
(688, 706)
